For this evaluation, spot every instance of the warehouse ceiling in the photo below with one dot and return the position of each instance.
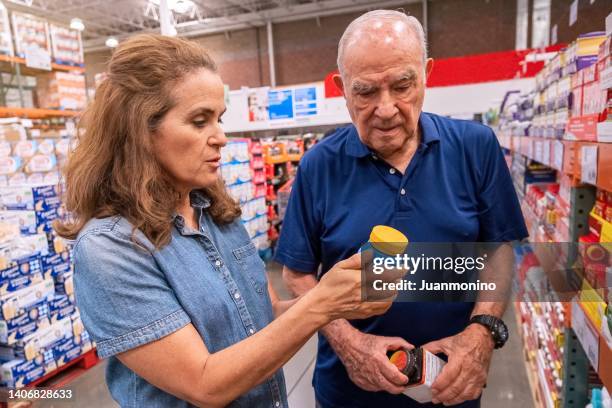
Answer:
(120, 18)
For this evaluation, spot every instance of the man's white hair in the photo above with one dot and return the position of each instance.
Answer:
(366, 19)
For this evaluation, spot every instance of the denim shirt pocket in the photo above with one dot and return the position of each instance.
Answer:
(254, 267)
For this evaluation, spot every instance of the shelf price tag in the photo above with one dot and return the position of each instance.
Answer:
(588, 163)
(558, 155)
(38, 58)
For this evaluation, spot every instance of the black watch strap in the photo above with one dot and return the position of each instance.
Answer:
(496, 326)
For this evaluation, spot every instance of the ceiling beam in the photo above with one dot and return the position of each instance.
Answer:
(277, 15)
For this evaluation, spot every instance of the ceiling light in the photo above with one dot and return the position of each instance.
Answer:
(178, 6)
(111, 42)
(181, 6)
(77, 24)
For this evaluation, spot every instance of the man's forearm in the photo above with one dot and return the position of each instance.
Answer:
(499, 271)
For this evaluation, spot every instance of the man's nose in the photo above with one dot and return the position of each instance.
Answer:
(386, 107)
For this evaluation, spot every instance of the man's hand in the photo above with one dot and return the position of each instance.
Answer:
(465, 374)
(367, 364)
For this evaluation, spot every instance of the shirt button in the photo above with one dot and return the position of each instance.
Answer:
(277, 404)
(375, 157)
(403, 192)
(236, 295)
(392, 171)
(251, 330)
(217, 263)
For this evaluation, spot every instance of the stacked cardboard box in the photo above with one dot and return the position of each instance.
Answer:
(40, 327)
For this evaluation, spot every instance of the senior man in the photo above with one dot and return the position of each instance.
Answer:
(433, 178)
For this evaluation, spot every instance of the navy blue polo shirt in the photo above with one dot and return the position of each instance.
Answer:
(457, 188)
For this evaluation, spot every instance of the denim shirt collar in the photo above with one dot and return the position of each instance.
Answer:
(429, 133)
(199, 201)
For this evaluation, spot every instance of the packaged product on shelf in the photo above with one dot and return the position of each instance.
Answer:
(62, 90)
(33, 317)
(30, 198)
(69, 349)
(14, 98)
(9, 286)
(17, 303)
(6, 39)
(10, 165)
(20, 267)
(41, 341)
(30, 31)
(19, 373)
(25, 148)
(56, 263)
(12, 132)
(61, 306)
(64, 283)
(41, 163)
(66, 45)
(31, 222)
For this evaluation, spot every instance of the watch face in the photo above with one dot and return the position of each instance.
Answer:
(501, 333)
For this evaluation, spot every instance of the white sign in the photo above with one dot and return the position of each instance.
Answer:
(573, 15)
(586, 334)
(553, 34)
(36, 57)
(558, 155)
(589, 164)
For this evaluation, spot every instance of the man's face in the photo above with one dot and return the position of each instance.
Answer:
(384, 86)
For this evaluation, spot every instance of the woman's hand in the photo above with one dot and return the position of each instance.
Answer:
(340, 293)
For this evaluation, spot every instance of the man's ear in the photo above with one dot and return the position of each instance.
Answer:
(338, 82)
(428, 67)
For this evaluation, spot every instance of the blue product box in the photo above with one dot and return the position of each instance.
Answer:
(69, 349)
(54, 264)
(48, 216)
(41, 341)
(13, 285)
(27, 198)
(29, 222)
(33, 317)
(61, 307)
(64, 283)
(21, 267)
(16, 303)
(19, 373)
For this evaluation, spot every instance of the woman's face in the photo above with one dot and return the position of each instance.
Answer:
(188, 139)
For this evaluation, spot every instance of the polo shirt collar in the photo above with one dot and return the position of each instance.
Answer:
(429, 132)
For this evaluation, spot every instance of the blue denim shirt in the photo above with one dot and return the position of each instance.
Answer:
(212, 278)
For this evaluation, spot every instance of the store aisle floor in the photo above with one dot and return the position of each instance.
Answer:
(507, 386)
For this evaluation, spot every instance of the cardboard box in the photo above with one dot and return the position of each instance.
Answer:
(56, 263)
(34, 317)
(32, 222)
(19, 373)
(21, 267)
(69, 349)
(27, 198)
(64, 284)
(16, 284)
(61, 307)
(41, 342)
(18, 302)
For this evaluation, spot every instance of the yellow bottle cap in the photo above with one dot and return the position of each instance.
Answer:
(388, 240)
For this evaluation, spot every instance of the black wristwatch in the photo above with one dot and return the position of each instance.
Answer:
(497, 328)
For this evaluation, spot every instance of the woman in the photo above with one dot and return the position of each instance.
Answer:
(167, 281)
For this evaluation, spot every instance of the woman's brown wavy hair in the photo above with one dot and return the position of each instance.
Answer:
(113, 170)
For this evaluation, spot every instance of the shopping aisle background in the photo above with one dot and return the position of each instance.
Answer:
(507, 386)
